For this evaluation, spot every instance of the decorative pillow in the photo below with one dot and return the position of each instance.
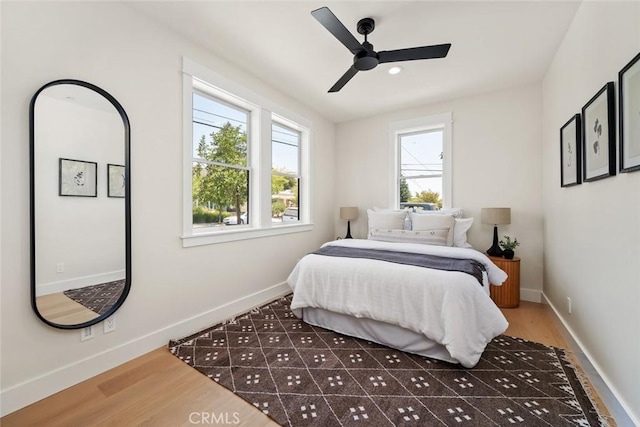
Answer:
(407, 221)
(388, 220)
(427, 237)
(420, 222)
(454, 212)
(460, 228)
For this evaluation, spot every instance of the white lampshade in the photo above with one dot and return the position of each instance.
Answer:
(496, 216)
(349, 213)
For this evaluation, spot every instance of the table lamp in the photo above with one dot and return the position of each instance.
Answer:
(348, 214)
(496, 216)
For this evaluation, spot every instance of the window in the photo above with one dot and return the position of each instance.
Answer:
(220, 173)
(285, 177)
(246, 163)
(422, 162)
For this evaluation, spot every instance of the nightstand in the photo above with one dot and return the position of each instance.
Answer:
(507, 295)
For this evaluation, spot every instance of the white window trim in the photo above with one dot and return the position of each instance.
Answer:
(263, 111)
(418, 124)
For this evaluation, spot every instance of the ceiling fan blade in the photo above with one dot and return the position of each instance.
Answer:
(335, 27)
(344, 79)
(413, 53)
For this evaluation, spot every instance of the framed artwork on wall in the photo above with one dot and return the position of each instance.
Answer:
(629, 98)
(115, 180)
(598, 135)
(77, 178)
(571, 152)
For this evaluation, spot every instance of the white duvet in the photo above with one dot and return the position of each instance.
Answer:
(451, 308)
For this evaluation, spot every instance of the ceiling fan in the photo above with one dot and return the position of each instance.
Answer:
(365, 58)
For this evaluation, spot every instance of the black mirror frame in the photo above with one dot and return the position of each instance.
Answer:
(127, 201)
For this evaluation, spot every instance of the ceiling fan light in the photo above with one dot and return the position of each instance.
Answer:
(395, 70)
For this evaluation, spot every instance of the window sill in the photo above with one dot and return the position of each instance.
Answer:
(212, 238)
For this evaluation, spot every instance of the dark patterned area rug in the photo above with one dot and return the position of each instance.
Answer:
(301, 375)
(98, 298)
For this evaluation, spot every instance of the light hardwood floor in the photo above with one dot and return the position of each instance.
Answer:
(157, 389)
(59, 308)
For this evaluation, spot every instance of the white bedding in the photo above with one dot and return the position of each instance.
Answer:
(451, 308)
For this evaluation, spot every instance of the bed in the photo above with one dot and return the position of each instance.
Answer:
(446, 315)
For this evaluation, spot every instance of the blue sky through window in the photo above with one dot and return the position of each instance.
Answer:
(421, 157)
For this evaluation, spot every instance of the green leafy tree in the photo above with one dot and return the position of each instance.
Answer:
(405, 194)
(281, 183)
(277, 207)
(222, 185)
(428, 197)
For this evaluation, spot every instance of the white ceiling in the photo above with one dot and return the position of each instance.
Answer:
(495, 45)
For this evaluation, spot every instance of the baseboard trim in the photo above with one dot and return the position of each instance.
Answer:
(532, 295)
(633, 419)
(38, 388)
(79, 282)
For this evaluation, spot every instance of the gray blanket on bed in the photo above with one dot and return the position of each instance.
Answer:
(469, 266)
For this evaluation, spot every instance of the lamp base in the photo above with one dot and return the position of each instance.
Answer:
(495, 250)
(348, 236)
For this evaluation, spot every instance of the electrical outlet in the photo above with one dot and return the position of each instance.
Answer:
(109, 325)
(569, 305)
(86, 333)
(60, 267)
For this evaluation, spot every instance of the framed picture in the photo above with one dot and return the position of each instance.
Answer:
(77, 178)
(571, 152)
(598, 136)
(115, 180)
(629, 98)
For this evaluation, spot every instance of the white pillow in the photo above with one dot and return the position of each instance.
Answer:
(455, 212)
(388, 220)
(427, 237)
(407, 221)
(460, 228)
(420, 222)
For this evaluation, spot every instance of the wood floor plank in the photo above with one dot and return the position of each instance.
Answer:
(158, 390)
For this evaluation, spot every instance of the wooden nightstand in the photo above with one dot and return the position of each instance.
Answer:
(507, 295)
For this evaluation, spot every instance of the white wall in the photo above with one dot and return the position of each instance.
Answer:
(496, 162)
(174, 289)
(592, 231)
(86, 234)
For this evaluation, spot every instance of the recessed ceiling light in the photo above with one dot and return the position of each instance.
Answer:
(395, 70)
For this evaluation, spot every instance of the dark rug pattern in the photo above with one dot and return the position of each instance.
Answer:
(302, 375)
(98, 298)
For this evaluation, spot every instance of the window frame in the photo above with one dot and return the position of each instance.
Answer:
(199, 79)
(279, 121)
(442, 121)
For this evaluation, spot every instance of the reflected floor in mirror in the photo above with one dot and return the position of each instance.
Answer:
(60, 309)
(75, 306)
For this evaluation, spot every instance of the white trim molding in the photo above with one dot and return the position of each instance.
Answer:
(40, 387)
(532, 295)
(609, 394)
(442, 121)
(79, 282)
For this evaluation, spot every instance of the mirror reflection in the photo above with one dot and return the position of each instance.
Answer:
(80, 227)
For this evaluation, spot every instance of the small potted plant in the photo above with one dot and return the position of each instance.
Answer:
(508, 246)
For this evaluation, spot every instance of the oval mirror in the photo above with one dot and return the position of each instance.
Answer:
(80, 204)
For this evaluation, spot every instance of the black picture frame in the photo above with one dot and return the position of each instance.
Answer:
(571, 152)
(598, 135)
(115, 181)
(629, 115)
(77, 178)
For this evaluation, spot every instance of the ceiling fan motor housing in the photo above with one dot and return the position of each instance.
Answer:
(366, 59)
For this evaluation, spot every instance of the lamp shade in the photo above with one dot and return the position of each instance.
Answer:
(496, 216)
(349, 213)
